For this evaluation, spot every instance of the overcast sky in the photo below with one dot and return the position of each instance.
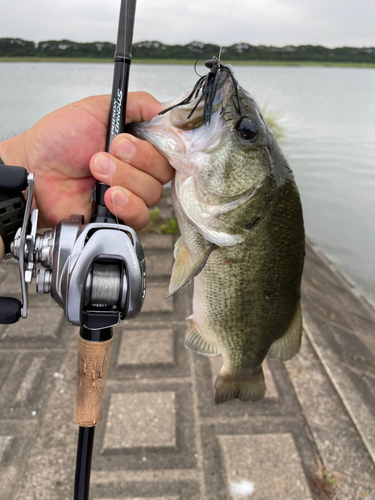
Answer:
(332, 23)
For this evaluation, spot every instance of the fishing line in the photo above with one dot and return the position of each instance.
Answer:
(113, 197)
(225, 27)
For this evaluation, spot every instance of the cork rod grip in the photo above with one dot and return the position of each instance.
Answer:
(92, 370)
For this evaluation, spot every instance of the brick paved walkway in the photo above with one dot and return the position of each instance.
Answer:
(162, 437)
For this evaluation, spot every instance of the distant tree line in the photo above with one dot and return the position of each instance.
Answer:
(16, 47)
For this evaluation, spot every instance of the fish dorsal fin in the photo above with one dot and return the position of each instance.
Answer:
(289, 344)
(195, 341)
(184, 269)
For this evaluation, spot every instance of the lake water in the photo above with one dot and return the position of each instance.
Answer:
(329, 119)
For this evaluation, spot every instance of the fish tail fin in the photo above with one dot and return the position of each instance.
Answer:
(245, 384)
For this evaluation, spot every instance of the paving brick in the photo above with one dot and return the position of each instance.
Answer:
(263, 467)
(41, 322)
(15, 442)
(159, 439)
(159, 264)
(10, 284)
(156, 301)
(144, 498)
(146, 347)
(151, 241)
(6, 364)
(107, 477)
(217, 362)
(153, 485)
(27, 387)
(49, 473)
(167, 358)
(178, 449)
(144, 419)
(4, 445)
(33, 372)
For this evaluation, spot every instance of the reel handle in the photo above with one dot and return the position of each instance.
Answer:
(13, 215)
(10, 310)
(12, 179)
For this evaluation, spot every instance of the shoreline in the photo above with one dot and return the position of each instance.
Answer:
(356, 289)
(326, 64)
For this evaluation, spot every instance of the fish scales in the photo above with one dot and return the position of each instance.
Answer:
(251, 294)
(241, 222)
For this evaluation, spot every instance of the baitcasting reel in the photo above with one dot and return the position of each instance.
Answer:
(95, 272)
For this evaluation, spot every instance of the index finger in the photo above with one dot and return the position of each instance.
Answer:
(141, 107)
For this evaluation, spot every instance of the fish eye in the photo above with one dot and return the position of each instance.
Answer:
(247, 129)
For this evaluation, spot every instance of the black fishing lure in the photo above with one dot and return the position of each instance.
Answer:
(207, 85)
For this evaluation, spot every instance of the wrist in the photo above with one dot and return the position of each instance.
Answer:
(12, 152)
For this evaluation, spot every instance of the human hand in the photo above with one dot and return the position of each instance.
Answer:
(63, 150)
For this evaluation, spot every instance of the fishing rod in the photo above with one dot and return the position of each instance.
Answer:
(96, 343)
(95, 271)
(116, 124)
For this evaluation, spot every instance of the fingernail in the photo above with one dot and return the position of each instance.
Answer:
(104, 165)
(123, 148)
(119, 198)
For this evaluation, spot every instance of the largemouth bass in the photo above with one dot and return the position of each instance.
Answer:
(241, 222)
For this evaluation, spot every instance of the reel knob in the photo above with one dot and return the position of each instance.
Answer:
(43, 281)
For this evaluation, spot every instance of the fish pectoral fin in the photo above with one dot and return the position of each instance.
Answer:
(289, 344)
(179, 247)
(181, 267)
(184, 269)
(244, 384)
(195, 341)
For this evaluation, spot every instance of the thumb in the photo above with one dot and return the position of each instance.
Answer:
(141, 107)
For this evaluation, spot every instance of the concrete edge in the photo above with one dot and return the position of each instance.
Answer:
(347, 282)
(354, 413)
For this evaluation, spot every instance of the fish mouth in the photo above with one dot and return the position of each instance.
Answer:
(210, 93)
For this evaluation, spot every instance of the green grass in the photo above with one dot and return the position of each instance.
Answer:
(157, 225)
(329, 477)
(188, 62)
